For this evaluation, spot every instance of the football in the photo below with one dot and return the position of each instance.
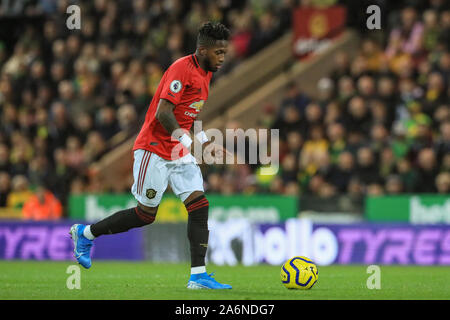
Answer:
(299, 273)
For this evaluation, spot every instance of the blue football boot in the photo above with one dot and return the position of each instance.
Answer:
(81, 245)
(205, 281)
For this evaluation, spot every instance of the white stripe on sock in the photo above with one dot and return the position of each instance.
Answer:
(87, 233)
(197, 270)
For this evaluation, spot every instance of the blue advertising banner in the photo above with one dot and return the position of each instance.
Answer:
(51, 241)
(242, 241)
(358, 243)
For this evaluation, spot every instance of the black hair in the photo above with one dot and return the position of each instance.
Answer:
(210, 32)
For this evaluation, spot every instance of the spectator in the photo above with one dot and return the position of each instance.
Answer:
(388, 97)
(294, 142)
(128, 118)
(289, 169)
(313, 149)
(241, 33)
(294, 96)
(367, 168)
(443, 183)
(21, 153)
(445, 163)
(379, 114)
(435, 93)
(427, 171)
(431, 29)
(394, 185)
(442, 145)
(325, 95)
(358, 117)
(327, 190)
(84, 124)
(265, 32)
(342, 66)
(373, 54)
(358, 67)
(94, 148)
(366, 87)
(42, 205)
(276, 186)
(59, 179)
(106, 123)
(315, 183)
(292, 189)
(4, 158)
(78, 186)
(341, 173)
(5, 188)
(20, 192)
(355, 188)
(420, 134)
(214, 182)
(374, 189)
(290, 119)
(336, 134)
(60, 127)
(387, 162)
(346, 90)
(313, 117)
(406, 38)
(74, 152)
(408, 174)
(333, 113)
(379, 136)
(38, 169)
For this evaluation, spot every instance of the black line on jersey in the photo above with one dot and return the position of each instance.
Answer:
(195, 61)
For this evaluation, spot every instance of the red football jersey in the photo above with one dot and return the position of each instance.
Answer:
(186, 85)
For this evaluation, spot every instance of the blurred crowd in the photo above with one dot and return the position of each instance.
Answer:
(380, 123)
(69, 96)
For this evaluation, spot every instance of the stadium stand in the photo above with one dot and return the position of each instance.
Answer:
(68, 97)
(371, 119)
(376, 124)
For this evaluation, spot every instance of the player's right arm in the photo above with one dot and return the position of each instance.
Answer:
(176, 79)
(165, 115)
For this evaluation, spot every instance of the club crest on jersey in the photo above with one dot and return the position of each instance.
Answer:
(150, 193)
(175, 86)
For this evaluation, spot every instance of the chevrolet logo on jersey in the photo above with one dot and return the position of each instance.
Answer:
(198, 105)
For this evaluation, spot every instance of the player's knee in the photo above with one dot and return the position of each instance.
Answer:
(146, 214)
(193, 196)
(199, 203)
(197, 215)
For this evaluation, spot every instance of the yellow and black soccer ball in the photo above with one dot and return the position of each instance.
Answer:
(299, 273)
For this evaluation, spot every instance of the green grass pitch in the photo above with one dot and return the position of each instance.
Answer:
(145, 280)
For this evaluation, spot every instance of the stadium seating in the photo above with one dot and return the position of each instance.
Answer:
(71, 102)
(68, 97)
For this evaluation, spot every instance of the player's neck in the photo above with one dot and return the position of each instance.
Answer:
(201, 61)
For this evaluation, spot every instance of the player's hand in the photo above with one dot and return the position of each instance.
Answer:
(216, 151)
